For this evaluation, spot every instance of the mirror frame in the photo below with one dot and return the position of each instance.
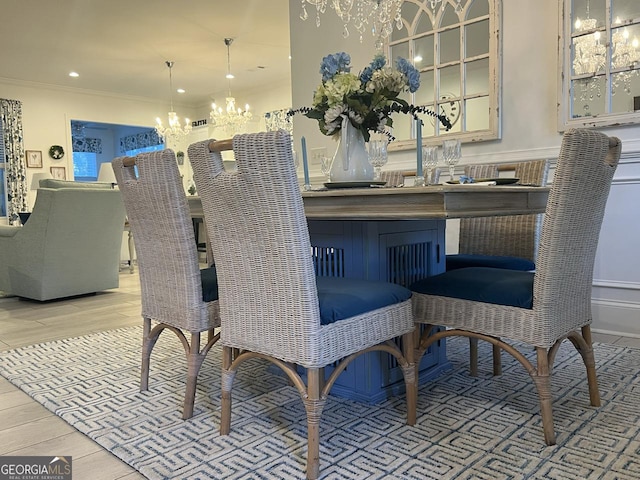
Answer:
(493, 132)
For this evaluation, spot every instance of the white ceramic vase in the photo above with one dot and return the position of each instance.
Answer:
(351, 160)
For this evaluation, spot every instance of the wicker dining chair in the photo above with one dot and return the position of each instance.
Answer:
(395, 178)
(544, 307)
(272, 305)
(500, 242)
(176, 294)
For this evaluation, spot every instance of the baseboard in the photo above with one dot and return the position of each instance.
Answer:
(616, 317)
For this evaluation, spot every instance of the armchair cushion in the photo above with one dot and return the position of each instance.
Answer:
(493, 261)
(489, 285)
(341, 298)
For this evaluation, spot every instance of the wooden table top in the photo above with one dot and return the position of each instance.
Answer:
(417, 203)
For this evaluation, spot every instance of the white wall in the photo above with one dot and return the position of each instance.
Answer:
(529, 130)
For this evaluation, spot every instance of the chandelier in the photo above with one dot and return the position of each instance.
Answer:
(590, 57)
(381, 15)
(231, 118)
(173, 129)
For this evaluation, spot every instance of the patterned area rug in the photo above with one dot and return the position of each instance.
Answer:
(468, 428)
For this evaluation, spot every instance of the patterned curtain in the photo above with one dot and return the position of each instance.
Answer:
(145, 139)
(90, 145)
(15, 168)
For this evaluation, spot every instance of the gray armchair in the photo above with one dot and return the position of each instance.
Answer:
(69, 246)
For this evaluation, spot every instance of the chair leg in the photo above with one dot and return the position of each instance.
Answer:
(314, 405)
(497, 361)
(590, 363)
(473, 357)
(194, 361)
(542, 380)
(410, 376)
(227, 383)
(147, 346)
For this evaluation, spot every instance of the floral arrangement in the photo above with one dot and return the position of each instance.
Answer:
(368, 99)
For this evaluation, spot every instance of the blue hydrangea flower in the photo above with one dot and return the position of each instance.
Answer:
(377, 63)
(409, 71)
(335, 63)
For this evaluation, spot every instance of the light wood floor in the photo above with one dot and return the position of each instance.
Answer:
(26, 427)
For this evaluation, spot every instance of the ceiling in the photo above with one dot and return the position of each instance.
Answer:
(121, 46)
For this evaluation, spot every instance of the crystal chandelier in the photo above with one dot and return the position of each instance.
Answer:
(173, 129)
(590, 57)
(231, 118)
(382, 15)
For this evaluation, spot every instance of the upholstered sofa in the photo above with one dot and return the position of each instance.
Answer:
(69, 246)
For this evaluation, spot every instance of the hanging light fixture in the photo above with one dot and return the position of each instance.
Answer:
(382, 15)
(591, 54)
(231, 118)
(173, 128)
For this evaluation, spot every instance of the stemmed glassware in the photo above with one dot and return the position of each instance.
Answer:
(378, 156)
(451, 155)
(319, 156)
(429, 162)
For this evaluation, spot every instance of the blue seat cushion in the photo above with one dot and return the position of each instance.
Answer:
(489, 285)
(209, 280)
(342, 298)
(492, 261)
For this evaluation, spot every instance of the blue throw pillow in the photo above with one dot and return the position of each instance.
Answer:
(491, 261)
(489, 285)
(342, 298)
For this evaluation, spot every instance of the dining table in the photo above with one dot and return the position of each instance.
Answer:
(395, 234)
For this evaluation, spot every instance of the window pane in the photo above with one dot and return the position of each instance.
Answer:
(624, 10)
(588, 14)
(477, 39)
(449, 44)
(477, 77)
(449, 17)
(625, 49)
(424, 23)
(84, 165)
(589, 54)
(400, 50)
(625, 85)
(588, 97)
(478, 8)
(450, 80)
(477, 114)
(424, 50)
(425, 94)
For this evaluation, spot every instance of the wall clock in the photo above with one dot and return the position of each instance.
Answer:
(449, 106)
(56, 152)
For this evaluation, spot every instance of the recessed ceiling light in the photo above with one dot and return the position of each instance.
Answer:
(74, 74)
(181, 90)
(229, 76)
(417, 59)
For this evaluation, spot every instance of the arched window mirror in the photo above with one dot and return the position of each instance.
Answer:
(600, 75)
(455, 45)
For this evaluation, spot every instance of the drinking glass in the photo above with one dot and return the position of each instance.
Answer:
(378, 156)
(325, 166)
(429, 162)
(451, 155)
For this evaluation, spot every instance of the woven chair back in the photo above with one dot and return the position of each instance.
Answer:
(575, 209)
(513, 235)
(260, 240)
(162, 229)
